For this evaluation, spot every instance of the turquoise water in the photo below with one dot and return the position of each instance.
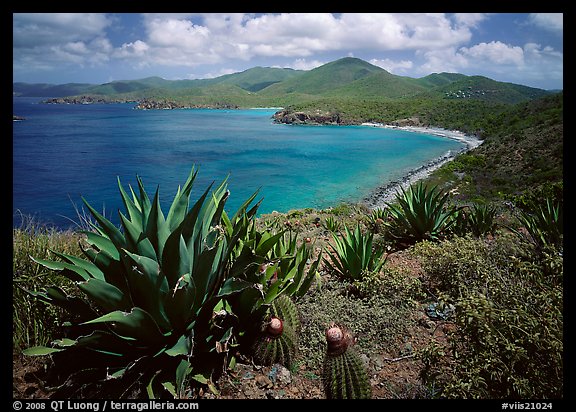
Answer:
(62, 152)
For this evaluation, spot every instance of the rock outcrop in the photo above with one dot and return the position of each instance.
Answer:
(318, 117)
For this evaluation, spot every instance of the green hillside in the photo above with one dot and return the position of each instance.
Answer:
(440, 79)
(483, 88)
(378, 85)
(258, 78)
(324, 78)
(347, 79)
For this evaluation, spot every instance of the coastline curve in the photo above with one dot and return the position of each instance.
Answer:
(382, 195)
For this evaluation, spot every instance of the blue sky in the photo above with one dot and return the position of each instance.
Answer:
(523, 48)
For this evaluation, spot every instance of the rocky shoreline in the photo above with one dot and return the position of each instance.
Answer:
(384, 194)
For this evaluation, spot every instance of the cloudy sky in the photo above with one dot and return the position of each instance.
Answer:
(97, 48)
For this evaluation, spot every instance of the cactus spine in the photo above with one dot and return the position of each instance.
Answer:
(278, 341)
(344, 374)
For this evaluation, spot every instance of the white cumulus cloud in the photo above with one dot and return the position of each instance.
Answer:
(494, 52)
(393, 66)
(549, 21)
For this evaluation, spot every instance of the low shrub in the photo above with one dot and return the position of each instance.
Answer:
(509, 317)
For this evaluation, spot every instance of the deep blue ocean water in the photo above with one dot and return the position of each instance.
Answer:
(63, 152)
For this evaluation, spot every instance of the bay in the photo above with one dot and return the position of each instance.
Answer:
(62, 152)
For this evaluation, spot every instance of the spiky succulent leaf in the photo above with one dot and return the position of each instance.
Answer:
(352, 255)
(105, 295)
(420, 213)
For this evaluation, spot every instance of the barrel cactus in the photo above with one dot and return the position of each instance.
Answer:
(278, 340)
(344, 374)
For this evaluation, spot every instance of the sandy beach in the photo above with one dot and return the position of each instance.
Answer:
(387, 193)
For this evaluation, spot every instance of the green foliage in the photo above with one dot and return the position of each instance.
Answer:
(465, 162)
(352, 255)
(509, 316)
(331, 224)
(35, 323)
(275, 265)
(544, 224)
(478, 219)
(149, 291)
(420, 213)
(537, 195)
(376, 219)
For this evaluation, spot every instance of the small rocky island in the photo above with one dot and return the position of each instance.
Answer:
(149, 104)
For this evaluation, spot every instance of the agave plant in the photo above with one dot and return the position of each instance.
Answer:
(332, 224)
(476, 219)
(420, 213)
(278, 269)
(353, 256)
(544, 224)
(376, 219)
(150, 291)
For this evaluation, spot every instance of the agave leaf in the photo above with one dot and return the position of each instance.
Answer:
(182, 347)
(180, 203)
(65, 342)
(178, 304)
(242, 209)
(208, 274)
(182, 371)
(266, 244)
(200, 379)
(105, 295)
(174, 264)
(150, 388)
(132, 232)
(56, 296)
(105, 341)
(40, 351)
(148, 286)
(157, 230)
(227, 223)
(144, 201)
(206, 216)
(72, 272)
(134, 212)
(137, 324)
(89, 267)
(300, 287)
(233, 285)
(107, 227)
(112, 269)
(169, 386)
(102, 244)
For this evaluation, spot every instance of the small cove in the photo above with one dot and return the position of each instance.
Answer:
(63, 152)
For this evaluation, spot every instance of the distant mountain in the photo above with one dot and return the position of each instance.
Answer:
(325, 78)
(381, 84)
(440, 79)
(346, 78)
(258, 78)
(49, 90)
(483, 88)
